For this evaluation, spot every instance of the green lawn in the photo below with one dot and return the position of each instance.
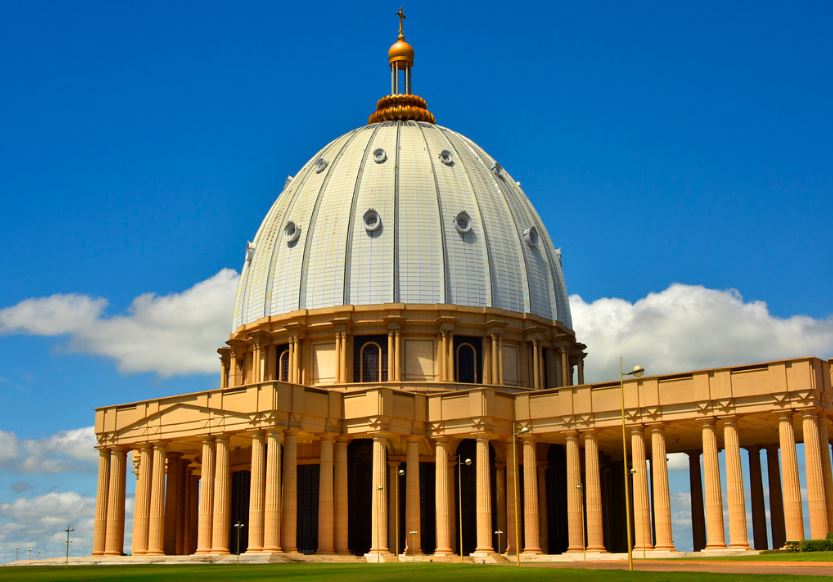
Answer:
(347, 573)
(778, 557)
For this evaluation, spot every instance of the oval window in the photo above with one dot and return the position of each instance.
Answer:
(531, 236)
(320, 165)
(462, 222)
(447, 158)
(379, 155)
(372, 220)
(292, 232)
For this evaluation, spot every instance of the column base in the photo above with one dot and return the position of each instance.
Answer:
(378, 557)
(599, 549)
(112, 553)
(444, 552)
(271, 550)
(668, 548)
(532, 551)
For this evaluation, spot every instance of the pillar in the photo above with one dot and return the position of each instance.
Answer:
(412, 510)
(791, 488)
(272, 494)
(289, 504)
(500, 360)
(735, 498)
(183, 530)
(257, 487)
(487, 360)
(536, 376)
(452, 500)
(173, 500)
(593, 493)
(224, 371)
(141, 504)
(581, 370)
(450, 358)
(662, 496)
(390, 355)
(641, 498)
(513, 534)
(713, 495)
(698, 519)
(824, 444)
(443, 352)
(397, 358)
(340, 498)
(494, 354)
(206, 510)
(484, 497)
(532, 543)
(756, 494)
(776, 498)
(379, 515)
(325, 498)
(575, 535)
(500, 502)
(339, 374)
(543, 526)
(565, 368)
(101, 495)
(156, 521)
(114, 545)
(222, 497)
(816, 501)
(441, 493)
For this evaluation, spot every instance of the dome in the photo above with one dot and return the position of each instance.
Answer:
(401, 212)
(401, 51)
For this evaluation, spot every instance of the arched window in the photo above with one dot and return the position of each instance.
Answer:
(465, 362)
(283, 366)
(370, 361)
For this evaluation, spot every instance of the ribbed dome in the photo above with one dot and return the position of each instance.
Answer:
(401, 212)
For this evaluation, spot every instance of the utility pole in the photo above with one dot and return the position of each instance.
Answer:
(29, 551)
(69, 530)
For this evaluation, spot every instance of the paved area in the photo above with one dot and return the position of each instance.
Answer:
(714, 566)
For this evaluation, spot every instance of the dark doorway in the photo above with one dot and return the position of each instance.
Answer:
(467, 359)
(427, 507)
(370, 358)
(240, 489)
(308, 508)
(466, 496)
(557, 499)
(359, 486)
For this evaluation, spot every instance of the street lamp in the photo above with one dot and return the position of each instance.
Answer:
(515, 434)
(69, 530)
(460, 499)
(498, 533)
(637, 372)
(238, 526)
(412, 533)
(400, 473)
(583, 533)
(381, 490)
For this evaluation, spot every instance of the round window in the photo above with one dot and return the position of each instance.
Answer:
(292, 232)
(372, 220)
(320, 165)
(447, 158)
(531, 236)
(462, 222)
(379, 156)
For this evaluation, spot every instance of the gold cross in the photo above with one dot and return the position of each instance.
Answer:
(401, 16)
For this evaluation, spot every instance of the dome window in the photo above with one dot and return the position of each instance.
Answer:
(531, 237)
(447, 158)
(292, 232)
(497, 170)
(372, 220)
(462, 222)
(250, 251)
(380, 156)
(320, 165)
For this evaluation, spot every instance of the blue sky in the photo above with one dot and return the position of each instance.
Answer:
(141, 145)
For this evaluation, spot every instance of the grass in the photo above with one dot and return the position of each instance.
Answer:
(349, 573)
(776, 557)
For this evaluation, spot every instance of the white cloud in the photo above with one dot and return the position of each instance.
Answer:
(165, 334)
(687, 327)
(65, 451)
(677, 462)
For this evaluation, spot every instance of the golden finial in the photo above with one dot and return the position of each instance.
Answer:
(401, 14)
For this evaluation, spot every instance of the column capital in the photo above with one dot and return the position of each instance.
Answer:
(277, 433)
(704, 422)
(571, 435)
(327, 436)
(730, 420)
(809, 413)
(257, 433)
(784, 414)
(636, 429)
(207, 439)
(343, 438)
(656, 427)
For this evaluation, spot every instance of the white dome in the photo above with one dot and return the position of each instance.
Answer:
(401, 212)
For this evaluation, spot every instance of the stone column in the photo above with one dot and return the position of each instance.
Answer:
(450, 359)
(379, 509)
(565, 368)
(484, 497)
(325, 498)
(535, 363)
(114, 544)
(257, 486)
(412, 509)
(593, 493)
(340, 499)
(224, 371)
(500, 360)
(793, 512)
(698, 519)
(441, 492)
(156, 521)
(397, 361)
(776, 499)
(532, 543)
(222, 497)
(173, 494)
(500, 502)
(662, 496)
(512, 500)
(102, 493)
(641, 498)
(816, 501)
(494, 352)
(272, 494)
(827, 465)
(756, 494)
(738, 537)
(390, 355)
(452, 500)
(339, 375)
(184, 526)
(141, 504)
(206, 512)
(580, 370)
(289, 505)
(714, 497)
(487, 360)
(443, 352)
(575, 537)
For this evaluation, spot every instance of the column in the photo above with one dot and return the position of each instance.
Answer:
(714, 497)
(441, 493)
(206, 511)
(641, 499)
(101, 495)
(452, 500)
(183, 530)
(500, 502)
(114, 544)
(443, 351)
(397, 358)
(542, 508)
(824, 442)
(484, 497)
(412, 509)
(450, 359)
(172, 502)
(535, 364)
(662, 496)
(325, 497)
(816, 502)
(793, 512)
(494, 354)
(756, 494)
(575, 537)
(736, 500)
(222, 497)
(593, 494)
(379, 509)
(532, 543)
(289, 505)
(565, 368)
(500, 359)
(272, 493)
(698, 519)
(224, 371)
(340, 499)
(776, 499)
(344, 356)
(580, 370)
(141, 505)
(513, 518)
(487, 360)
(156, 521)
(390, 356)
(339, 371)
(257, 487)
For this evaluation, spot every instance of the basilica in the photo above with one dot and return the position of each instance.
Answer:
(402, 378)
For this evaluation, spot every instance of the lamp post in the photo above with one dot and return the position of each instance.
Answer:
(29, 552)
(399, 473)
(515, 434)
(583, 533)
(238, 526)
(498, 533)
(637, 372)
(412, 533)
(380, 490)
(460, 499)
